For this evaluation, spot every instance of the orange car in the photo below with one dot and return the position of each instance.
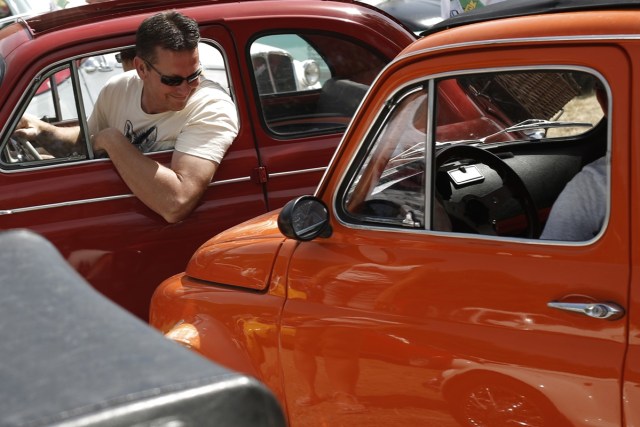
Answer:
(468, 258)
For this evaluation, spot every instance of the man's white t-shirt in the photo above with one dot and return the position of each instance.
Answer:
(451, 8)
(205, 128)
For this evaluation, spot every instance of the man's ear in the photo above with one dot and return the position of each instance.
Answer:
(141, 68)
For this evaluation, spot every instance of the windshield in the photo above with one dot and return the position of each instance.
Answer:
(516, 106)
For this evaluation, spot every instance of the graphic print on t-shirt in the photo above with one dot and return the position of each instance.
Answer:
(142, 139)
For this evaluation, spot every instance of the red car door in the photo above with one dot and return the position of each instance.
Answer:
(300, 129)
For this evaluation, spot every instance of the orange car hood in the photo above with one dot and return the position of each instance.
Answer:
(241, 256)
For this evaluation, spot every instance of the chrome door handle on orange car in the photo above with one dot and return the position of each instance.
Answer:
(599, 310)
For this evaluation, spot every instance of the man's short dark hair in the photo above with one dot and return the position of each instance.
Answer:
(168, 30)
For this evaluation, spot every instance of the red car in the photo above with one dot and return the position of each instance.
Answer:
(470, 258)
(297, 71)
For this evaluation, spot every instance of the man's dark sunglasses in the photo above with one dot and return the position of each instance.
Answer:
(175, 80)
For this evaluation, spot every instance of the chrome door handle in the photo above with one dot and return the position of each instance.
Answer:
(597, 310)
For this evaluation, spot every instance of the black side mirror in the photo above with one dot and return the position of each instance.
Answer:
(304, 218)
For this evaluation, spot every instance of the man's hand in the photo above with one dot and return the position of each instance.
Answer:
(59, 141)
(28, 128)
(104, 138)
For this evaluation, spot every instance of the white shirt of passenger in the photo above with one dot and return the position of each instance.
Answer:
(205, 128)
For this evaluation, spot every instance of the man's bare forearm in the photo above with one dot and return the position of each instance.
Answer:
(60, 141)
(171, 192)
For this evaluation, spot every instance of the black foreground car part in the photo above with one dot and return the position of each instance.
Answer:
(71, 357)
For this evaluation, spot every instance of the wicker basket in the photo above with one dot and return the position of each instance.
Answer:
(541, 94)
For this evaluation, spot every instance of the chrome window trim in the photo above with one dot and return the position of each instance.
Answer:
(497, 42)
(297, 172)
(429, 155)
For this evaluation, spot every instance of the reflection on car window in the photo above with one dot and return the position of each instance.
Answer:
(503, 149)
(391, 186)
(54, 99)
(310, 83)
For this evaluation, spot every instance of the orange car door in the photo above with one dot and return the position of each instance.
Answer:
(390, 326)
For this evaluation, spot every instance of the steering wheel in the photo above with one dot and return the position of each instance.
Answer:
(24, 150)
(512, 188)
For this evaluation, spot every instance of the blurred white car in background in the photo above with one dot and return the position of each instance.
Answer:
(12, 10)
(17, 8)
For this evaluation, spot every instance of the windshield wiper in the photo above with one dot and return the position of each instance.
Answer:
(533, 124)
(529, 124)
